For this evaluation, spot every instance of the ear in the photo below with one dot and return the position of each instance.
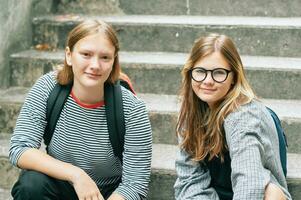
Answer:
(68, 56)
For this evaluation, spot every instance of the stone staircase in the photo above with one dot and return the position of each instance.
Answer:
(155, 38)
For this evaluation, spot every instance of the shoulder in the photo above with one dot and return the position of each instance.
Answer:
(250, 119)
(248, 122)
(252, 111)
(43, 86)
(46, 81)
(130, 99)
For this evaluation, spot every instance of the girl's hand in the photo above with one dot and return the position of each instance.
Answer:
(115, 196)
(273, 192)
(85, 187)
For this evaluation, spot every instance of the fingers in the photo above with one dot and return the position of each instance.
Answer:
(95, 196)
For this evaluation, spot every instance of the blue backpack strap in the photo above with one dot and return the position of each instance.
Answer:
(282, 140)
(115, 117)
(55, 104)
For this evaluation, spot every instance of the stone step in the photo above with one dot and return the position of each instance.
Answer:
(5, 194)
(163, 110)
(263, 36)
(148, 69)
(8, 173)
(270, 8)
(163, 173)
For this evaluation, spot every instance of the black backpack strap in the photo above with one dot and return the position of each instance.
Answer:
(115, 117)
(282, 140)
(55, 104)
(126, 85)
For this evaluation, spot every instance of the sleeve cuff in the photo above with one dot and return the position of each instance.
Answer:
(128, 193)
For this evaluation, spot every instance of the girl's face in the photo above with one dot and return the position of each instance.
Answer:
(92, 60)
(209, 90)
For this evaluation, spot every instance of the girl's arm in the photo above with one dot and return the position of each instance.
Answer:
(26, 140)
(273, 192)
(193, 180)
(137, 154)
(34, 159)
(255, 161)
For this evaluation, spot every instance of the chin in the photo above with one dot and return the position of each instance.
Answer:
(93, 84)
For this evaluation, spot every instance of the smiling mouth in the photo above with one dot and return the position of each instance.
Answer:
(95, 75)
(206, 89)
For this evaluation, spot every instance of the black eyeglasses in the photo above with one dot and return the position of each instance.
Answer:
(219, 75)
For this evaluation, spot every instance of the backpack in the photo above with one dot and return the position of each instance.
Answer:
(220, 172)
(282, 140)
(113, 107)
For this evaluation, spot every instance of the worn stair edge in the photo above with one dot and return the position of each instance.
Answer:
(177, 33)
(284, 22)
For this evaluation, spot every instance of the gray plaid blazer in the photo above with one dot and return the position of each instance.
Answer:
(254, 150)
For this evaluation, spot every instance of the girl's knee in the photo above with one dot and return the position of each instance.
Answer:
(32, 184)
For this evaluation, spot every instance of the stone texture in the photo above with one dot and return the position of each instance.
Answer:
(154, 7)
(8, 173)
(15, 32)
(271, 8)
(5, 194)
(253, 36)
(161, 185)
(97, 7)
(8, 115)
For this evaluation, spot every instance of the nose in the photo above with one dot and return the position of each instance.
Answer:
(208, 79)
(95, 63)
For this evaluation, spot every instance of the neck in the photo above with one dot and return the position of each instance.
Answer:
(88, 95)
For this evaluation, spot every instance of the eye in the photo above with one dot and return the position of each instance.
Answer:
(106, 58)
(199, 71)
(220, 72)
(85, 54)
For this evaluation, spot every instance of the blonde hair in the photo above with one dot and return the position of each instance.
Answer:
(89, 27)
(201, 128)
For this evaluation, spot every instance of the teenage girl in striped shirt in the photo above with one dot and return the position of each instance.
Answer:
(80, 163)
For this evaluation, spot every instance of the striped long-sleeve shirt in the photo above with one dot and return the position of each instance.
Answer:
(253, 145)
(81, 138)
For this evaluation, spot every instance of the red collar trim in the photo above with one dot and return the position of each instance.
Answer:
(95, 105)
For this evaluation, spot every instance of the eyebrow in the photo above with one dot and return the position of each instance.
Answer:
(101, 52)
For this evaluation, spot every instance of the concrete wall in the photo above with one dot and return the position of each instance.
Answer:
(15, 32)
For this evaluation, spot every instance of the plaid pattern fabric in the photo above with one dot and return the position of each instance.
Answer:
(254, 150)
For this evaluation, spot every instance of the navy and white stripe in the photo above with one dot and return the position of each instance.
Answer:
(81, 138)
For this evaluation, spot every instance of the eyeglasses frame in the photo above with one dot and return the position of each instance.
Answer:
(211, 73)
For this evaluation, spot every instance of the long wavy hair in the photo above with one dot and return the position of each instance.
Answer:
(89, 27)
(201, 128)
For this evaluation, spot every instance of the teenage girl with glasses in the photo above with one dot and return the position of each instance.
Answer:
(228, 140)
